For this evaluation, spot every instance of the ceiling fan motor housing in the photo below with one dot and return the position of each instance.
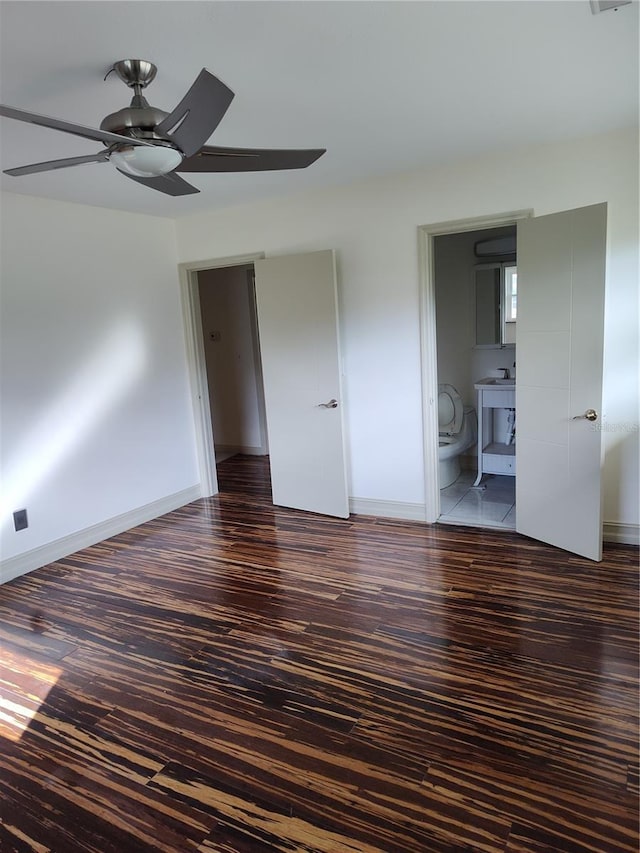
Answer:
(139, 119)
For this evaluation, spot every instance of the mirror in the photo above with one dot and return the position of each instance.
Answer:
(496, 304)
(488, 305)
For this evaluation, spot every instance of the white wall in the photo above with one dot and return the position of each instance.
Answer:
(373, 227)
(453, 280)
(231, 375)
(96, 412)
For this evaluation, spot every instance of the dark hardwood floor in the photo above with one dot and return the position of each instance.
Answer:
(239, 678)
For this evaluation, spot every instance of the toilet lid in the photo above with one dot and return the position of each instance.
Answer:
(450, 410)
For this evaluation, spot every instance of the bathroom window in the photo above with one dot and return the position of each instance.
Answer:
(510, 293)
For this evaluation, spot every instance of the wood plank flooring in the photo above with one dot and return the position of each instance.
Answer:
(239, 678)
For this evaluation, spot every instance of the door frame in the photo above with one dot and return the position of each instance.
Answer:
(263, 450)
(428, 339)
(196, 363)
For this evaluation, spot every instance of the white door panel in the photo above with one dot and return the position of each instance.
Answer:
(552, 365)
(296, 299)
(543, 415)
(560, 332)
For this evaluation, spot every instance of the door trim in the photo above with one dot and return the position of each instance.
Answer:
(196, 363)
(428, 339)
(263, 450)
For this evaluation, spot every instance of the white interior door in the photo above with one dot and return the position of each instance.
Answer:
(297, 306)
(560, 331)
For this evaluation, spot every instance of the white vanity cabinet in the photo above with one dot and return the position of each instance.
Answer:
(494, 457)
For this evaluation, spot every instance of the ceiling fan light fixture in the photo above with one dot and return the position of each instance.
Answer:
(145, 161)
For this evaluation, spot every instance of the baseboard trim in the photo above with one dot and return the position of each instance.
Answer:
(388, 509)
(36, 558)
(623, 534)
(613, 531)
(249, 450)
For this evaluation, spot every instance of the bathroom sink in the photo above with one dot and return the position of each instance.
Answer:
(493, 381)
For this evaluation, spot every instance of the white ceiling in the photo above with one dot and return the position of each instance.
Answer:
(384, 86)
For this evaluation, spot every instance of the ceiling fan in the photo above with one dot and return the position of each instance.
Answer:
(151, 146)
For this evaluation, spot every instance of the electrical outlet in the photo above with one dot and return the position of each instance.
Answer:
(20, 520)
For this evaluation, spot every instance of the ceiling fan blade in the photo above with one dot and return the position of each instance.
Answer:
(213, 159)
(49, 165)
(198, 114)
(67, 126)
(170, 184)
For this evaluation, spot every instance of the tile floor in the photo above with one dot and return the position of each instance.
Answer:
(491, 506)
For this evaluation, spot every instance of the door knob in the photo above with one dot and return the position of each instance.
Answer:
(332, 404)
(590, 415)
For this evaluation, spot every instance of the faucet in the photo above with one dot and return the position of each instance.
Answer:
(507, 375)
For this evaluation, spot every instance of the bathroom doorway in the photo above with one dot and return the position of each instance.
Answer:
(561, 260)
(474, 293)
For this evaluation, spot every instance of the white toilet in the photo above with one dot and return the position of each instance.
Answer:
(458, 430)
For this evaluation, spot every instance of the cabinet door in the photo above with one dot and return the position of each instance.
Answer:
(494, 463)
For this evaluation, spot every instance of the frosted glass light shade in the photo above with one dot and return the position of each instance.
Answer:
(142, 161)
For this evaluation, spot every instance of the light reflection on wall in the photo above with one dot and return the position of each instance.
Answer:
(105, 377)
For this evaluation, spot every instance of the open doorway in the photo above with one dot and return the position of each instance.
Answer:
(297, 308)
(560, 320)
(475, 278)
(231, 346)
(449, 261)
